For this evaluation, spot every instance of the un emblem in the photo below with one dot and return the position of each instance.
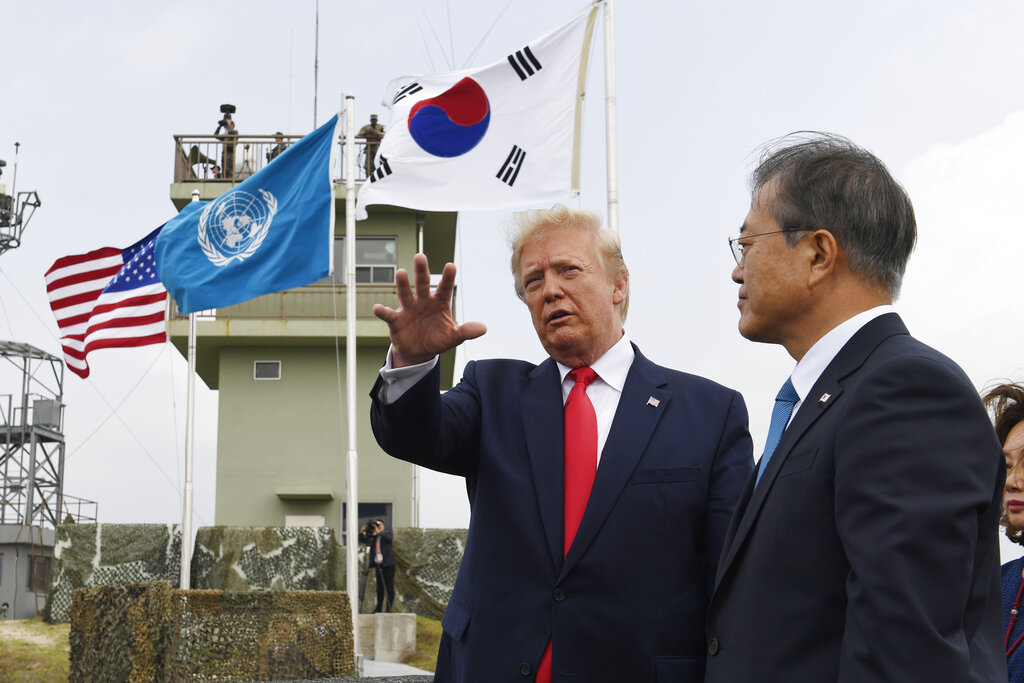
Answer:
(233, 227)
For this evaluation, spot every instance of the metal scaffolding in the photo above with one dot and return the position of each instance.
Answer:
(32, 439)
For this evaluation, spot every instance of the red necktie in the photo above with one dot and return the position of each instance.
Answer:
(580, 468)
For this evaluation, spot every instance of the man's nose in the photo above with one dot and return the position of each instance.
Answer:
(552, 288)
(737, 274)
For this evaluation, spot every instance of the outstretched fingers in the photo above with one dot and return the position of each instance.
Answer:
(402, 288)
(472, 330)
(388, 315)
(447, 284)
(422, 274)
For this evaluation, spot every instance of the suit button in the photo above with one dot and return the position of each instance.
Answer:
(524, 669)
(559, 594)
(713, 646)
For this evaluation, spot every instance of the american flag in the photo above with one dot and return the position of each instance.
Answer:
(107, 298)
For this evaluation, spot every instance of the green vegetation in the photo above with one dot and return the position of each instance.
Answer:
(428, 639)
(32, 651)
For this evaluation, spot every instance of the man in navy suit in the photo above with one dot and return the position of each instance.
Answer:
(622, 596)
(864, 547)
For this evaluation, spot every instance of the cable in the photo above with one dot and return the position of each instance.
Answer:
(174, 416)
(8, 319)
(30, 306)
(105, 400)
(451, 66)
(473, 54)
(425, 47)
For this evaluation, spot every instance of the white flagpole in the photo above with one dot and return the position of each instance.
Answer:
(352, 475)
(190, 410)
(611, 136)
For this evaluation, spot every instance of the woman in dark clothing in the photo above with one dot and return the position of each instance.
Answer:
(1006, 402)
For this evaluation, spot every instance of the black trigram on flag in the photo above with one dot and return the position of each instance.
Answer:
(382, 170)
(524, 63)
(406, 91)
(513, 164)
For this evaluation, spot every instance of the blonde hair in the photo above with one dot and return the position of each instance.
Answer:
(536, 223)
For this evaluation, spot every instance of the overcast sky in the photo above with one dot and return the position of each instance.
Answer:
(94, 93)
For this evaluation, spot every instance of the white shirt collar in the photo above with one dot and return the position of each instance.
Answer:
(817, 358)
(612, 367)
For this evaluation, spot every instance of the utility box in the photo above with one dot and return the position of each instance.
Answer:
(46, 413)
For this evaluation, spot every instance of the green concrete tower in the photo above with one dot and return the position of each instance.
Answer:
(278, 361)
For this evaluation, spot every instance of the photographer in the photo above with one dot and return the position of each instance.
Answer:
(229, 138)
(382, 559)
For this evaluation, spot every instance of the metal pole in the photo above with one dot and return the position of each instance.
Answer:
(352, 471)
(611, 136)
(190, 410)
(416, 468)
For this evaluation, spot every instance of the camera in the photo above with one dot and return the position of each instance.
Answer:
(370, 532)
(226, 111)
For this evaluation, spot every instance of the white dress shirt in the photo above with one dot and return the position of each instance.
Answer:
(604, 392)
(824, 351)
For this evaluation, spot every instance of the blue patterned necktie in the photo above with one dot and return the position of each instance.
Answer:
(784, 402)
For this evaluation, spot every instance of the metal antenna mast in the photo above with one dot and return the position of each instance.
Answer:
(13, 218)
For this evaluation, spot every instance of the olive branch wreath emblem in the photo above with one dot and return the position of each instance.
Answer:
(219, 259)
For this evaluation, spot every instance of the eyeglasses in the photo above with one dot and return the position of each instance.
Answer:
(738, 247)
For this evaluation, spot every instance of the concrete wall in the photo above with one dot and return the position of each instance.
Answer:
(281, 444)
(18, 545)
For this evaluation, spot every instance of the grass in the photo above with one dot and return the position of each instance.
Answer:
(428, 639)
(22, 661)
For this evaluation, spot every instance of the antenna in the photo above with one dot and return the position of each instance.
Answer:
(316, 61)
(13, 218)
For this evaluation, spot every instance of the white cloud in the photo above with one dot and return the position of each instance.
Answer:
(961, 291)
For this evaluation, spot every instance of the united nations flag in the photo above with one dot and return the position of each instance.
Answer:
(271, 232)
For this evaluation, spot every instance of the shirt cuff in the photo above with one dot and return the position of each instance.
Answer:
(397, 381)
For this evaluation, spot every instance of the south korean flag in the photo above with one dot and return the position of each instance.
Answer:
(500, 136)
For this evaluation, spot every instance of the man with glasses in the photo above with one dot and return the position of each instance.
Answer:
(864, 547)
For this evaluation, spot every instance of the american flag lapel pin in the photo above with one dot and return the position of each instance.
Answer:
(824, 398)
(653, 402)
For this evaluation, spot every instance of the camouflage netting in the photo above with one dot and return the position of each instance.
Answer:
(309, 558)
(242, 558)
(110, 554)
(251, 558)
(152, 632)
(428, 562)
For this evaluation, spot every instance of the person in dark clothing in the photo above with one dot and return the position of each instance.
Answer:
(382, 559)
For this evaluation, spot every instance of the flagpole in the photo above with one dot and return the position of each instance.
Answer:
(352, 474)
(184, 580)
(611, 134)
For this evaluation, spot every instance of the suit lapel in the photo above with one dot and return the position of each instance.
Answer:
(542, 423)
(631, 430)
(822, 396)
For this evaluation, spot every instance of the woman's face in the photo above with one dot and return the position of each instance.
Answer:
(1013, 493)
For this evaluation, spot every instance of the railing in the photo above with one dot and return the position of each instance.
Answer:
(80, 510)
(233, 158)
(42, 412)
(313, 302)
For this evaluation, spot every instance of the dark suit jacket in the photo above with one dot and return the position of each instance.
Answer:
(869, 550)
(666, 484)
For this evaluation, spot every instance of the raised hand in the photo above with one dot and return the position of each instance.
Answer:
(424, 327)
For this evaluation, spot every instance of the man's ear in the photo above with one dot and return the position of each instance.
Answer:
(621, 284)
(825, 255)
